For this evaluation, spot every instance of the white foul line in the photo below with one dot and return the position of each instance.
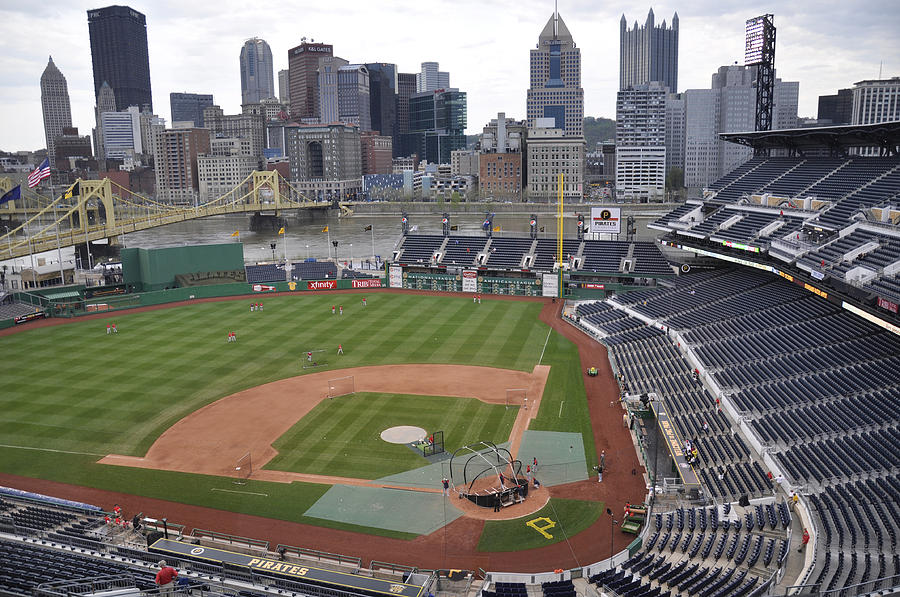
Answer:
(50, 450)
(545, 346)
(234, 491)
(560, 408)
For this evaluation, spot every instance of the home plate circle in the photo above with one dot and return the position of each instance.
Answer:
(402, 434)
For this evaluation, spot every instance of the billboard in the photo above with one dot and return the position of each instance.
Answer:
(367, 283)
(550, 285)
(606, 220)
(396, 276)
(322, 285)
(470, 280)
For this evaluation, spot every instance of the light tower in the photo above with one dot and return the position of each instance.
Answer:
(759, 51)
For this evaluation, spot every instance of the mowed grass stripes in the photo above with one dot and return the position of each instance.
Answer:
(75, 388)
(343, 436)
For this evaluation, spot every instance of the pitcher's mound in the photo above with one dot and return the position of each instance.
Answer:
(402, 434)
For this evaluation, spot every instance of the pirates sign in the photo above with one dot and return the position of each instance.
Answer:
(606, 220)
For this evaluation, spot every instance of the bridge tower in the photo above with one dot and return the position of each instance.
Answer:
(101, 191)
(266, 183)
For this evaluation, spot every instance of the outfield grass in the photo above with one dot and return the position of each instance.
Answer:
(570, 517)
(75, 388)
(343, 436)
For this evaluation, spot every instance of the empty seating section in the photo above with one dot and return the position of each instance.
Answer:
(816, 384)
(755, 179)
(740, 562)
(24, 567)
(507, 589)
(676, 213)
(545, 252)
(508, 252)
(865, 248)
(711, 222)
(462, 250)
(855, 174)
(888, 288)
(604, 256)
(806, 174)
(649, 260)
(13, 310)
(313, 270)
(747, 228)
(419, 248)
(850, 184)
(736, 173)
(269, 272)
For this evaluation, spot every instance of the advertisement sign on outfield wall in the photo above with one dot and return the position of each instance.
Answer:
(396, 276)
(321, 285)
(550, 285)
(367, 283)
(470, 281)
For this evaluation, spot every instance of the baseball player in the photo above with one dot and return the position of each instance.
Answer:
(332, 309)
(341, 309)
(309, 357)
(115, 331)
(340, 349)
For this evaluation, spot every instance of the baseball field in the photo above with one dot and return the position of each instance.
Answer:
(74, 394)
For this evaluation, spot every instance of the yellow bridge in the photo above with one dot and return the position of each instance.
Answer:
(91, 210)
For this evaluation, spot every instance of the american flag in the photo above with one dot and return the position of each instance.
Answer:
(39, 174)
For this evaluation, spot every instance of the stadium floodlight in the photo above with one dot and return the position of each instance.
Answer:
(753, 48)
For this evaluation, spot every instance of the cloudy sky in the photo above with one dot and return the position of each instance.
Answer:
(194, 47)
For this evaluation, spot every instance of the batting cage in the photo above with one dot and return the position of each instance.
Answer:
(488, 475)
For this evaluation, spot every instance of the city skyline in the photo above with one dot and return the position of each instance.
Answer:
(825, 45)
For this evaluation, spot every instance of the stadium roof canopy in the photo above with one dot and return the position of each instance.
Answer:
(833, 138)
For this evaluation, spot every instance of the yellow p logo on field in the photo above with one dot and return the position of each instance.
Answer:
(542, 524)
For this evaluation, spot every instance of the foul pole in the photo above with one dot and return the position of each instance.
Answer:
(559, 236)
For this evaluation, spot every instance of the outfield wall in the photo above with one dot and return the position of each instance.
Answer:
(155, 269)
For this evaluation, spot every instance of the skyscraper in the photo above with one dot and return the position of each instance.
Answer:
(303, 77)
(648, 53)
(55, 106)
(641, 142)
(431, 78)
(383, 96)
(119, 54)
(353, 96)
(257, 71)
(437, 124)
(555, 90)
(406, 88)
(328, 87)
(188, 107)
(284, 88)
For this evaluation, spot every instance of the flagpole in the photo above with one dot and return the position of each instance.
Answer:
(328, 246)
(374, 260)
(28, 238)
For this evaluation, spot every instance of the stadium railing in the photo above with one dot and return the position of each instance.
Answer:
(321, 556)
(230, 539)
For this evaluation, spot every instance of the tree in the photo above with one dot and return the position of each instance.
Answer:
(674, 179)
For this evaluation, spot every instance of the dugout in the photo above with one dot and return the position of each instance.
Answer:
(146, 270)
